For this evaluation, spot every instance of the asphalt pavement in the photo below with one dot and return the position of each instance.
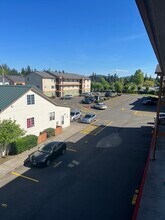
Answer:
(98, 176)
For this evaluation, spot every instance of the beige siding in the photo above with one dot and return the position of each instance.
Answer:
(49, 87)
(87, 85)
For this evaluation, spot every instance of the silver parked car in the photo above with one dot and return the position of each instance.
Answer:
(101, 106)
(67, 97)
(75, 115)
(88, 118)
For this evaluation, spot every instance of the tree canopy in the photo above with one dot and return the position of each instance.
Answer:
(9, 131)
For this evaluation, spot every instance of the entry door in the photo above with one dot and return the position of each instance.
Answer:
(62, 119)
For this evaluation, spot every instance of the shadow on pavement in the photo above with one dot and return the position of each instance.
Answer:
(94, 180)
(138, 106)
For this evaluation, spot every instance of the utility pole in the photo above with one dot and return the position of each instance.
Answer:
(3, 77)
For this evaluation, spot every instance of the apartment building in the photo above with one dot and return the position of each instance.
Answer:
(12, 80)
(59, 84)
(15, 79)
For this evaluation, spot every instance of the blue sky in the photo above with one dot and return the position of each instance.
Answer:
(78, 36)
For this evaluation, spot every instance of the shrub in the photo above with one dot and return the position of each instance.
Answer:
(152, 92)
(50, 132)
(23, 144)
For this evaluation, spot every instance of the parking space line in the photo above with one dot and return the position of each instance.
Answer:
(57, 164)
(140, 113)
(88, 129)
(4, 205)
(70, 165)
(134, 199)
(69, 149)
(75, 162)
(20, 175)
(101, 129)
(95, 121)
(93, 129)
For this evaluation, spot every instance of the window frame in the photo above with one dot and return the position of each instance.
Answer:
(30, 99)
(51, 116)
(30, 122)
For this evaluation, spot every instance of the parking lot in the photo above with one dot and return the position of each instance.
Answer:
(97, 177)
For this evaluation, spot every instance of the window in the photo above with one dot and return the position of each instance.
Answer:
(52, 87)
(30, 122)
(62, 119)
(52, 116)
(30, 100)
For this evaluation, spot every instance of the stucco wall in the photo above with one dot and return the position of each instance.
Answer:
(49, 86)
(20, 111)
(87, 85)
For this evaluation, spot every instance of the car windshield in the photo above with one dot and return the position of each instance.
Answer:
(72, 113)
(88, 116)
(46, 148)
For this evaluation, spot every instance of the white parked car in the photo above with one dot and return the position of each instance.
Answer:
(161, 119)
(75, 115)
(101, 106)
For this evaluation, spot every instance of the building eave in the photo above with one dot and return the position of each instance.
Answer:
(153, 16)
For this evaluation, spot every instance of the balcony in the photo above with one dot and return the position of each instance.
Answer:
(68, 83)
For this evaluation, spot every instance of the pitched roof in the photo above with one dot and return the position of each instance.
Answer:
(15, 78)
(52, 75)
(5, 80)
(67, 75)
(44, 74)
(9, 94)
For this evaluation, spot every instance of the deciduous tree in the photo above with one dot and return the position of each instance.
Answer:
(9, 131)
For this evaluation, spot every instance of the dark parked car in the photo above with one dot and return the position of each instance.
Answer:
(149, 102)
(92, 98)
(47, 153)
(153, 98)
(86, 101)
(108, 94)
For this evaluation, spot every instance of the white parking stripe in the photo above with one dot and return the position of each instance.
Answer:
(75, 162)
(70, 149)
(57, 164)
(70, 165)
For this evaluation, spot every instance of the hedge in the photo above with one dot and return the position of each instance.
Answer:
(23, 144)
(50, 132)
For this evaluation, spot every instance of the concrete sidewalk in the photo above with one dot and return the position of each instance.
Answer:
(18, 160)
(152, 205)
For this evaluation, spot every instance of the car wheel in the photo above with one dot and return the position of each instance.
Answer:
(63, 151)
(48, 162)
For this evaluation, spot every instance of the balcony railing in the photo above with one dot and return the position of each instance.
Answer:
(68, 83)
